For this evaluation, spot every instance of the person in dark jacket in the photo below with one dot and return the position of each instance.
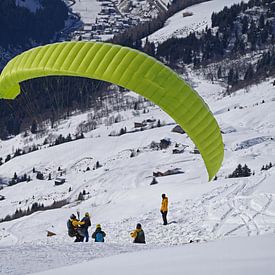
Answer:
(74, 228)
(86, 225)
(138, 234)
(99, 235)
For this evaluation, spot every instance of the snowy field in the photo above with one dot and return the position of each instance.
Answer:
(87, 9)
(230, 221)
(120, 194)
(238, 256)
(180, 26)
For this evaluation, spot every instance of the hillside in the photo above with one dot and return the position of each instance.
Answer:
(199, 210)
(29, 23)
(109, 155)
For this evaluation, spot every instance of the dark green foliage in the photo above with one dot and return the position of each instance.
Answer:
(39, 176)
(34, 208)
(241, 171)
(80, 197)
(97, 165)
(267, 166)
(233, 25)
(249, 73)
(19, 26)
(60, 139)
(34, 127)
(122, 131)
(47, 99)
(17, 179)
(8, 158)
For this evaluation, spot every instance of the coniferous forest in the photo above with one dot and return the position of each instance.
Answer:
(236, 31)
(21, 27)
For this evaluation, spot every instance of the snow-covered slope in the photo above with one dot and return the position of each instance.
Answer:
(194, 18)
(238, 256)
(120, 194)
(87, 9)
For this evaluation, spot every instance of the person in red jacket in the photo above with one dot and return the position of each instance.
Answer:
(164, 208)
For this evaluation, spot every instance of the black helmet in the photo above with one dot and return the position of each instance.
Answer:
(138, 226)
(73, 216)
(163, 196)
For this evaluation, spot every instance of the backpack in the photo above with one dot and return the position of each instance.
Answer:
(71, 231)
(140, 237)
(99, 237)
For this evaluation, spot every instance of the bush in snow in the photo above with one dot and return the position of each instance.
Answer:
(80, 197)
(241, 171)
(267, 166)
(39, 176)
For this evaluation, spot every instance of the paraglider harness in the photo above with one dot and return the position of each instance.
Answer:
(74, 232)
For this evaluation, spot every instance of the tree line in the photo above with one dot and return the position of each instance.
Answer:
(21, 27)
(238, 30)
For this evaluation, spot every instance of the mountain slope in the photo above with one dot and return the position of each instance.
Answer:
(118, 194)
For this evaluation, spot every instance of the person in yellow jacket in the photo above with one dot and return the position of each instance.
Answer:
(164, 208)
(138, 234)
(74, 228)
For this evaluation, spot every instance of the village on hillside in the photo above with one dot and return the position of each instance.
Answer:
(114, 17)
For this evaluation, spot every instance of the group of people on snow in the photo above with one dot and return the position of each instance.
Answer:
(79, 228)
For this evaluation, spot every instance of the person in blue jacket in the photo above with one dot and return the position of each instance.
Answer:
(99, 235)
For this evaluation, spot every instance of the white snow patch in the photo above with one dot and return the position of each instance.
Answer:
(180, 26)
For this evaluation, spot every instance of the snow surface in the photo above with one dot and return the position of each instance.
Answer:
(236, 256)
(120, 191)
(218, 214)
(180, 26)
(87, 9)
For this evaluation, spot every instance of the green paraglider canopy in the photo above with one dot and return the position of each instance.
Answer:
(130, 69)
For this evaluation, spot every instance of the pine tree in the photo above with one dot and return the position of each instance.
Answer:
(246, 171)
(34, 127)
(230, 77)
(219, 73)
(80, 197)
(8, 158)
(249, 73)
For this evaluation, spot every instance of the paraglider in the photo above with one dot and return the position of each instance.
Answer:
(130, 69)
